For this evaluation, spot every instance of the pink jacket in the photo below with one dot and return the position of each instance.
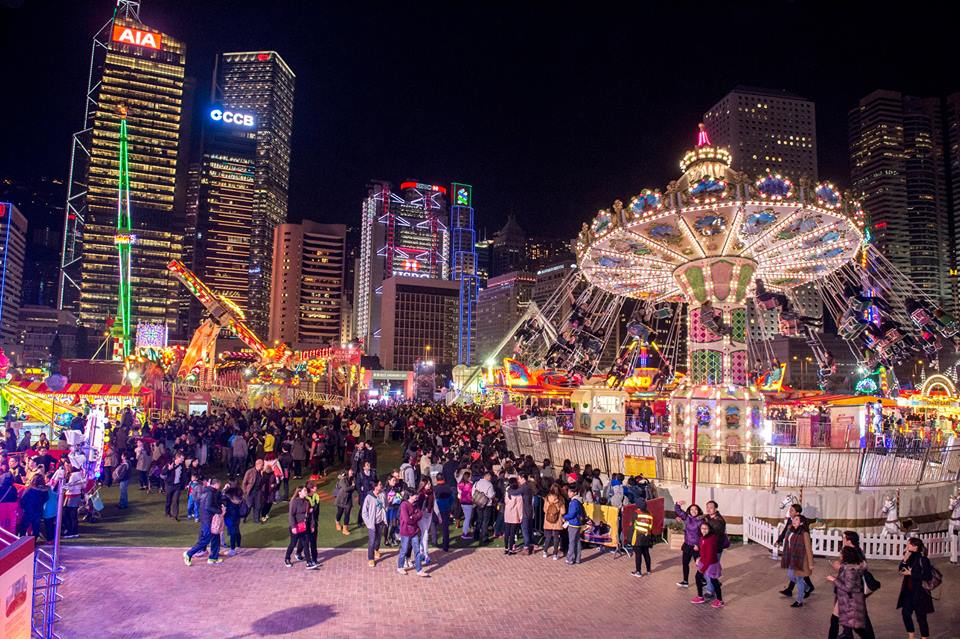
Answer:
(513, 508)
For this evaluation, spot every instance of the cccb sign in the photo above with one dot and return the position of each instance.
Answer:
(231, 117)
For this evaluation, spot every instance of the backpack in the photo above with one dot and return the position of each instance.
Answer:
(116, 472)
(480, 499)
(552, 513)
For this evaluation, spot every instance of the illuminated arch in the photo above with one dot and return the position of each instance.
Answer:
(938, 381)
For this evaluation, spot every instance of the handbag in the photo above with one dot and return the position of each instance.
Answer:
(216, 524)
(301, 527)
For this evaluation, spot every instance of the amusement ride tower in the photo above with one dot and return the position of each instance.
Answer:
(124, 240)
(714, 240)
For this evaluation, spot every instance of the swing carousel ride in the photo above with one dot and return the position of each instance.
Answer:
(721, 249)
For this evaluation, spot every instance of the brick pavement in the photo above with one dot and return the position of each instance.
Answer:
(148, 593)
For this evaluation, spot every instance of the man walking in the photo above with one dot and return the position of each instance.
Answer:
(122, 474)
(209, 506)
(252, 489)
(574, 519)
(483, 495)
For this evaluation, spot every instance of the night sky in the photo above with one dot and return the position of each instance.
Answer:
(549, 111)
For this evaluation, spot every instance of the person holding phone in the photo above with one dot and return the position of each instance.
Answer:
(914, 599)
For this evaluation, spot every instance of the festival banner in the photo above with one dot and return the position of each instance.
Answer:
(634, 465)
(16, 588)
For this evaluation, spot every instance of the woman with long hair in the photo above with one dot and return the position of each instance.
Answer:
(691, 518)
(344, 500)
(465, 492)
(554, 508)
(298, 522)
(708, 565)
(914, 598)
(512, 515)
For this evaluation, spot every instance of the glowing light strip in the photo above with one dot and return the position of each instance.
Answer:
(800, 239)
(731, 231)
(686, 226)
(657, 245)
(773, 229)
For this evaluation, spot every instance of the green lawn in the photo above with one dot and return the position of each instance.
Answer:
(144, 524)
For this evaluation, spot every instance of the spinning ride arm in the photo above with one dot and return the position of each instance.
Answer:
(221, 312)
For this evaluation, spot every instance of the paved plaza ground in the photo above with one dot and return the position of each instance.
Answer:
(148, 593)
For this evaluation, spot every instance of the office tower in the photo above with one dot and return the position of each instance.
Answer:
(484, 250)
(542, 252)
(226, 204)
(418, 319)
(898, 171)
(13, 249)
(190, 308)
(463, 268)
(37, 326)
(508, 251)
(402, 234)
(260, 83)
(951, 116)
(500, 305)
(549, 284)
(40, 200)
(766, 130)
(139, 70)
(307, 290)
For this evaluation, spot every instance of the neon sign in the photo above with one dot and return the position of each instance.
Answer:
(423, 187)
(136, 37)
(125, 239)
(231, 117)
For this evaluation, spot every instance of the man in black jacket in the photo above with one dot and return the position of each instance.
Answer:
(176, 477)
(209, 506)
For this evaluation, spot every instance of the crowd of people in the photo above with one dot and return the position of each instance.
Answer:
(457, 477)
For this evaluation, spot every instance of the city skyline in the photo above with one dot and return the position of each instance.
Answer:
(514, 156)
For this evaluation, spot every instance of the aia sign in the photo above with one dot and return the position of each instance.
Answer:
(136, 37)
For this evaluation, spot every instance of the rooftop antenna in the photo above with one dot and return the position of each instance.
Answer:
(128, 9)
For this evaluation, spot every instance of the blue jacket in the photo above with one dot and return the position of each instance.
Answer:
(575, 513)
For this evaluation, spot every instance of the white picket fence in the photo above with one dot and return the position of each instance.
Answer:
(827, 543)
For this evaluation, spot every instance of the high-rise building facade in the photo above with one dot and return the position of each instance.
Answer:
(542, 252)
(40, 200)
(898, 171)
(13, 250)
(766, 130)
(226, 204)
(508, 252)
(402, 234)
(418, 317)
(501, 304)
(262, 84)
(463, 268)
(309, 261)
(549, 284)
(139, 70)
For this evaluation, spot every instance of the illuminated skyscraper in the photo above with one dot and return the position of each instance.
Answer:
(136, 67)
(13, 247)
(463, 268)
(401, 235)
(226, 204)
(308, 272)
(898, 172)
(260, 83)
(766, 130)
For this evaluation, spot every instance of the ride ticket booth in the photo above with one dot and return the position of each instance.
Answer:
(599, 410)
